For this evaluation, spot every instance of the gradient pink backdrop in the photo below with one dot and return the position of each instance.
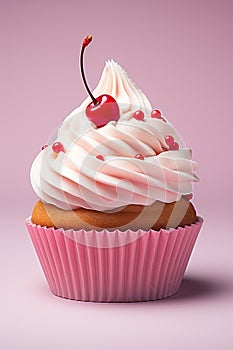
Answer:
(180, 54)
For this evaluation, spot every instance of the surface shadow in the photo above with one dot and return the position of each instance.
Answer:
(41, 290)
(199, 288)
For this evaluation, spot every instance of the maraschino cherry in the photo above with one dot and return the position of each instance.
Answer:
(104, 108)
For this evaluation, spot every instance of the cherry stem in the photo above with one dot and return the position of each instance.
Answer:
(85, 43)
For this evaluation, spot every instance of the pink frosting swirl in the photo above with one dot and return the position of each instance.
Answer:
(76, 178)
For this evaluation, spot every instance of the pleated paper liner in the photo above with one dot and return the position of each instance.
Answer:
(114, 266)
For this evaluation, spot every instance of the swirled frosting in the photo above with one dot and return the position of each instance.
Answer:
(76, 178)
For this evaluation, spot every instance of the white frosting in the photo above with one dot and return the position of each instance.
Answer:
(77, 178)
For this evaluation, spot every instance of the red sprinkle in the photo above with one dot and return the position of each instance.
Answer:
(174, 146)
(58, 147)
(139, 156)
(139, 115)
(157, 114)
(44, 146)
(169, 140)
(100, 157)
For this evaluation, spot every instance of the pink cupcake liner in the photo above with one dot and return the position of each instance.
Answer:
(114, 266)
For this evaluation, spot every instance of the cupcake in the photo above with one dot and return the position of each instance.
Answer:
(114, 221)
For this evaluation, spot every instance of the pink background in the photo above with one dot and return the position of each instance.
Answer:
(180, 54)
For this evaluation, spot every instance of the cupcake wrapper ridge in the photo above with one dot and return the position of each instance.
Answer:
(114, 266)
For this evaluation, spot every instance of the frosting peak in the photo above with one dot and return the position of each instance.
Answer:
(115, 82)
